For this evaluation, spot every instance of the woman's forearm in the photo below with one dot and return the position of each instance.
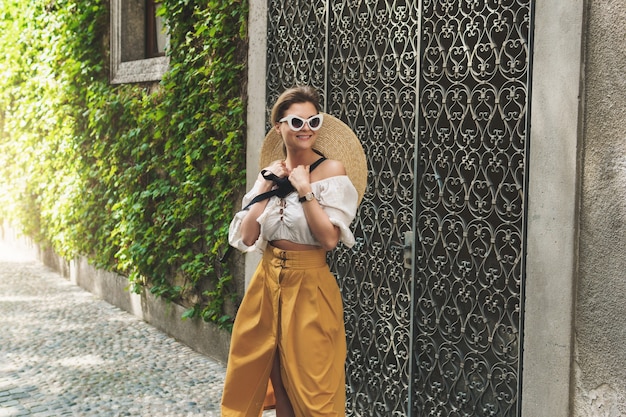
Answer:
(326, 233)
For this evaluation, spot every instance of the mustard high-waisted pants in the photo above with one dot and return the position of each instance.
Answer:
(292, 307)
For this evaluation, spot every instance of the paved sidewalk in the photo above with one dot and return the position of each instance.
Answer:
(65, 352)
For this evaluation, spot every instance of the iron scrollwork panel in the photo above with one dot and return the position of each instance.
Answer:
(472, 158)
(372, 74)
(296, 46)
(369, 83)
(470, 124)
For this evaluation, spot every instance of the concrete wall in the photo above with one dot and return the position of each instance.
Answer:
(256, 111)
(553, 175)
(600, 367)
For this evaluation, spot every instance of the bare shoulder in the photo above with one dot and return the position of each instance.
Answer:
(328, 168)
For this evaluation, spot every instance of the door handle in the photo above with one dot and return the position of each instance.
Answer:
(407, 249)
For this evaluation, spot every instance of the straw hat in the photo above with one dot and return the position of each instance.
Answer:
(335, 140)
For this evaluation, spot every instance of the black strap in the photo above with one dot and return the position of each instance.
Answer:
(283, 189)
(283, 186)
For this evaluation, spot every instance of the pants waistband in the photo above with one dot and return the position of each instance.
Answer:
(295, 259)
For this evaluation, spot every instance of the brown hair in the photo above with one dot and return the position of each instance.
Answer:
(299, 94)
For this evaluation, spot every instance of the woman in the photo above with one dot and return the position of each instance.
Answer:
(289, 327)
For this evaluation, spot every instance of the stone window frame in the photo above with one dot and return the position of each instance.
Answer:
(135, 71)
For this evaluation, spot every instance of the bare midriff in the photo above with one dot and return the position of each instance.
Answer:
(289, 245)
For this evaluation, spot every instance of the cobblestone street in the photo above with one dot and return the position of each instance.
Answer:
(65, 352)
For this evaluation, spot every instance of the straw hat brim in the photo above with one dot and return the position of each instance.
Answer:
(335, 140)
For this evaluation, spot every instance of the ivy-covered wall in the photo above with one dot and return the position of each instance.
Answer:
(140, 179)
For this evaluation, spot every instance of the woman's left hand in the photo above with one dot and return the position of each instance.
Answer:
(300, 179)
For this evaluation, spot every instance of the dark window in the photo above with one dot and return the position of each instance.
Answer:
(156, 37)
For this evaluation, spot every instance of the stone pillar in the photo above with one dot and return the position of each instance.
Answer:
(552, 209)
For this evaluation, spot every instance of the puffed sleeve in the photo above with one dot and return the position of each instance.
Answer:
(339, 199)
(234, 230)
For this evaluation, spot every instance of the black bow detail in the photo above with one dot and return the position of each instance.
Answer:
(284, 187)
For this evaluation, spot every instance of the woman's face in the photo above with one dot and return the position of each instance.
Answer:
(303, 138)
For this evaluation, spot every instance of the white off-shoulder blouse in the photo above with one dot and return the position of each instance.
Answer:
(283, 219)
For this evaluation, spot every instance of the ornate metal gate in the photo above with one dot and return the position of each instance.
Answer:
(438, 93)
